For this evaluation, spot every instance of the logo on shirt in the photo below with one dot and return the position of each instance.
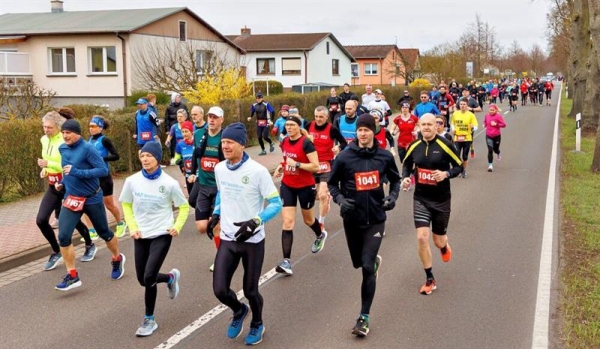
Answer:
(245, 179)
(162, 189)
(377, 235)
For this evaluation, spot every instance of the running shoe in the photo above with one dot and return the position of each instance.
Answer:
(319, 242)
(472, 153)
(68, 282)
(173, 286)
(428, 287)
(446, 257)
(285, 267)
(378, 261)
(361, 329)
(173, 162)
(499, 157)
(89, 254)
(271, 147)
(255, 335)
(212, 267)
(146, 328)
(263, 152)
(490, 168)
(118, 268)
(120, 229)
(53, 261)
(93, 235)
(54, 224)
(237, 323)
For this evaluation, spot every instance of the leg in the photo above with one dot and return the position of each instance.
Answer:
(497, 144)
(156, 253)
(490, 146)
(226, 262)
(354, 242)
(49, 204)
(324, 199)
(265, 135)
(97, 215)
(68, 221)
(259, 136)
(193, 197)
(252, 261)
(371, 244)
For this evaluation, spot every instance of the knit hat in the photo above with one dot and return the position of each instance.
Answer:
(153, 148)
(235, 132)
(285, 107)
(187, 125)
(71, 125)
(366, 120)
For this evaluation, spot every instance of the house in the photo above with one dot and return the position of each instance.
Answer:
(294, 59)
(99, 56)
(383, 64)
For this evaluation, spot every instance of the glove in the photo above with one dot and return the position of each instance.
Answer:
(212, 223)
(346, 205)
(389, 202)
(246, 230)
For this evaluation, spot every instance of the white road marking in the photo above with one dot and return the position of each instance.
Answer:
(542, 306)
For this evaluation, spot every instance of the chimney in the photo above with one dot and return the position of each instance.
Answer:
(246, 31)
(56, 6)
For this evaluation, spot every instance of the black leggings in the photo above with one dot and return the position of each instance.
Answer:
(226, 262)
(493, 145)
(363, 244)
(262, 132)
(149, 257)
(52, 202)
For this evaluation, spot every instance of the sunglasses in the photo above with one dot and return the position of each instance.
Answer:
(439, 122)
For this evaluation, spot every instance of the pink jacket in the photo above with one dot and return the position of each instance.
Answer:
(495, 92)
(493, 131)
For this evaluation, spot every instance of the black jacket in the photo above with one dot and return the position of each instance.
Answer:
(171, 114)
(342, 181)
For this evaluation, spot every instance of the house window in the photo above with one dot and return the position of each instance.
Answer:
(103, 60)
(265, 66)
(182, 31)
(335, 67)
(203, 58)
(327, 46)
(370, 68)
(291, 66)
(354, 69)
(62, 60)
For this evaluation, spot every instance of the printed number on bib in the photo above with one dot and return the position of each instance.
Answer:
(425, 176)
(74, 203)
(208, 164)
(187, 165)
(54, 178)
(262, 122)
(146, 136)
(461, 138)
(366, 180)
(324, 167)
(290, 170)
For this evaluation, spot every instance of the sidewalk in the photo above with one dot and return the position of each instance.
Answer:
(21, 241)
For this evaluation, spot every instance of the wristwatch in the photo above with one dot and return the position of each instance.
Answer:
(298, 164)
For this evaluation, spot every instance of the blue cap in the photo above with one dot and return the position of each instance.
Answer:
(141, 101)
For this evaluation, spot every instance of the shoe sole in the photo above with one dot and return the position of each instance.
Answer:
(176, 276)
(262, 334)
(428, 293)
(147, 334)
(287, 272)
(70, 287)
(91, 258)
(123, 259)
(359, 333)
(54, 266)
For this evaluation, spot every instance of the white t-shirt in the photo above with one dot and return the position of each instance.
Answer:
(380, 105)
(366, 99)
(152, 201)
(242, 196)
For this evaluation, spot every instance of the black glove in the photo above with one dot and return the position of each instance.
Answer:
(389, 202)
(246, 230)
(212, 223)
(346, 205)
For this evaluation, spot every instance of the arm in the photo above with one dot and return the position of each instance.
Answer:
(389, 138)
(274, 205)
(337, 135)
(333, 184)
(393, 176)
(98, 169)
(112, 151)
(129, 217)
(252, 111)
(501, 122)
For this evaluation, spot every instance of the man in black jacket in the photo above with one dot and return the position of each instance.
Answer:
(406, 98)
(346, 95)
(171, 117)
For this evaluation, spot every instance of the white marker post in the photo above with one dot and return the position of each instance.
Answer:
(578, 133)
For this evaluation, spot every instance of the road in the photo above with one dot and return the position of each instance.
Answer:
(486, 295)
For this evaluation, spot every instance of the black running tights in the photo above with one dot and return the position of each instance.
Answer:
(149, 257)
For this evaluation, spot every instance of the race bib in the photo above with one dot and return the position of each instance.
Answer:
(461, 138)
(208, 164)
(444, 112)
(187, 164)
(290, 170)
(425, 176)
(146, 136)
(54, 178)
(74, 203)
(261, 122)
(366, 180)
(324, 167)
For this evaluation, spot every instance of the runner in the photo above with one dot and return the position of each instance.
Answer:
(279, 125)
(381, 105)
(242, 229)
(347, 122)
(197, 114)
(435, 161)
(334, 103)
(548, 87)
(514, 97)
(263, 111)
(147, 198)
(382, 135)
(425, 106)
(184, 153)
(440, 124)
(493, 122)
(50, 163)
(324, 136)
(82, 166)
(208, 152)
(175, 132)
(406, 126)
(463, 124)
(300, 161)
(146, 124)
(445, 102)
(355, 186)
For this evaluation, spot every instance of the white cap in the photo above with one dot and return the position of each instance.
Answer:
(217, 111)
(378, 91)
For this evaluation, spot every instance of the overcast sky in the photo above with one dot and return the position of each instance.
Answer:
(418, 24)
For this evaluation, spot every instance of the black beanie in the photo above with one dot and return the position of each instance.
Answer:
(235, 132)
(154, 149)
(366, 120)
(71, 125)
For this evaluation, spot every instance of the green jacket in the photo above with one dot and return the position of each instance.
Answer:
(50, 152)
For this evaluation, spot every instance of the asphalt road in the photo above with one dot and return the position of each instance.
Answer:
(485, 298)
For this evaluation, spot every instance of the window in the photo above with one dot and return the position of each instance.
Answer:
(62, 60)
(327, 46)
(370, 68)
(265, 66)
(203, 60)
(335, 67)
(291, 66)
(182, 31)
(103, 60)
(354, 69)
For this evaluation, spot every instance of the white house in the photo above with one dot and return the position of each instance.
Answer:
(90, 56)
(294, 59)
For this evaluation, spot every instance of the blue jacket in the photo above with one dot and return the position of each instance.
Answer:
(86, 167)
(280, 125)
(424, 108)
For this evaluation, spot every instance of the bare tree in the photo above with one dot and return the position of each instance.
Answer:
(403, 67)
(22, 98)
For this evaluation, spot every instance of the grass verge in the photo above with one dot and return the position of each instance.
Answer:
(580, 209)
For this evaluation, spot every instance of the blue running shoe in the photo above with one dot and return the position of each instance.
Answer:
(173, 286)
(237, 323)
(68, 282)
(285, 267)
(89, 254)
(54, 259)
(118, 268)
(255, 335)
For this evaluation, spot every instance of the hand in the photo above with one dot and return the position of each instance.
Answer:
(42, 163)
(290, 162)
(494, 123)
(135, 234)
(67, 169)
(58, 186)
(249, 119)
(277, 172)
(173, 231)
(212, 223)
(406, 182)
(346, 205)
(43, 173)
(246, 230)
(168, 143)
(393, 151)
(389, 202)
(336, 150)
(191, 179)
(134, 136)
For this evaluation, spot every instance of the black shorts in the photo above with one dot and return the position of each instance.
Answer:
(463, 149)
(427, 213)
(107, 185)
(205, 202)
(321, 177)
(291, 196)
